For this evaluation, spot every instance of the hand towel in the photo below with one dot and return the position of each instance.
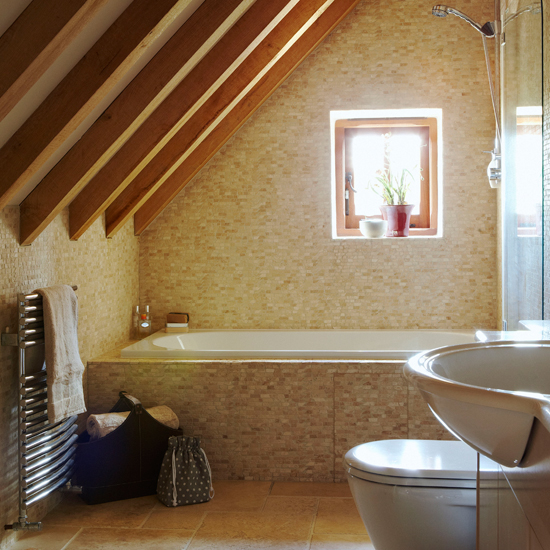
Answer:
(99, 425)
(63, 365)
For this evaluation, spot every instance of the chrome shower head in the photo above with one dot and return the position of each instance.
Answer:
(440, 10)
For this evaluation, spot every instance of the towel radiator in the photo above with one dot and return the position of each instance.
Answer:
(46, 450)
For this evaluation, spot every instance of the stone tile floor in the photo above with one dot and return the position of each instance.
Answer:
(244, 515)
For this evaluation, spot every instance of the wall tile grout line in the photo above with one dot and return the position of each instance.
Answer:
(312, 526)
(64, 547)
(195, 531)
(148, 516)
(267, 496)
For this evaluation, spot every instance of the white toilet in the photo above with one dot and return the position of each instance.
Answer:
(415, 494)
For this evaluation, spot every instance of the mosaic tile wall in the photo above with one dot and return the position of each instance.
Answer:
(247, 244)
(546, 133)
(281, 421)
(106, 272)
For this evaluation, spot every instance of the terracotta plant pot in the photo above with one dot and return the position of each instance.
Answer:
(398, 217)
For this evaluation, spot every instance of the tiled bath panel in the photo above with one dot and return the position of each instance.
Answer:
(276, 421)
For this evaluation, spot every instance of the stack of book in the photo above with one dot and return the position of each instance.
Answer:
(177, 322)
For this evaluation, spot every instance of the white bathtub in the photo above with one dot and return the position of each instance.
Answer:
(295, 344)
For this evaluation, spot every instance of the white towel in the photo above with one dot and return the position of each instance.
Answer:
(63, 364)
(99, 425)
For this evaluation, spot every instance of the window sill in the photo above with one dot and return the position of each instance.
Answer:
(413, 233)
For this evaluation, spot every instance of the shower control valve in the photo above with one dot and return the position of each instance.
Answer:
(494, 170)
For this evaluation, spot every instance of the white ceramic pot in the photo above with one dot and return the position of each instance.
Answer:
(374, 228)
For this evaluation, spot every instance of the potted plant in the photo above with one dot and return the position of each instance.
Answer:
(392, 186)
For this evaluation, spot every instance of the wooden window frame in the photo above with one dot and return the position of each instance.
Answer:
(426, 222)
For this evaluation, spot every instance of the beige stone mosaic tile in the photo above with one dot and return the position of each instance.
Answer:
(249, 239)
(248, 415)
(9, 286)
(149, 382)
(368, 408)
(275, 401)
(106, 272)
(204, 398)
(275, 421)
(247, 243)
(104, 381)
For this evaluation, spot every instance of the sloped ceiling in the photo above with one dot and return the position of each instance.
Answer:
(114, 105)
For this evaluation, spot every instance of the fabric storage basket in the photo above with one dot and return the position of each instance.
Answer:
(185, 476)
(126, 462)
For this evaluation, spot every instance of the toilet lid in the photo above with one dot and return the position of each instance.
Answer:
(422, 462)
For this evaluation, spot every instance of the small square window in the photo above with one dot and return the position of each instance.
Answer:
(364, 148)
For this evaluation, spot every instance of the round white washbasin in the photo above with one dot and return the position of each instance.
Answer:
(487, 393)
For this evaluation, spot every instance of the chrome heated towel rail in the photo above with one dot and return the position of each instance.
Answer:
(46, 450)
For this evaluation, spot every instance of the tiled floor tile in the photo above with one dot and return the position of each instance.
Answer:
(180, 517)
(122, 513)
(341, 542)
(244, 515)
(291, 505)
(252, 531)
(130, 539)
(338, 516)
(310, 489)
(54, 537)
(237, 496)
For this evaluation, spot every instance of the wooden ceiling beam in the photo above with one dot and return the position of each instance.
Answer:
(218, 106)
(81, 90)
(136, 102)
(35, 40)
(188, 97)
(165, 185)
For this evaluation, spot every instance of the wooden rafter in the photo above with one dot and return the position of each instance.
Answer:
(81, 90)
(35, 40)
(213, 111)
(221, 65)
(188, 97)
(161, 188)
(121, 119)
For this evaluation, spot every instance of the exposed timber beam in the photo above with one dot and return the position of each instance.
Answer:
(81, 90)
(197, 36)
(186, 155)
(35, 40)
(187, 98)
